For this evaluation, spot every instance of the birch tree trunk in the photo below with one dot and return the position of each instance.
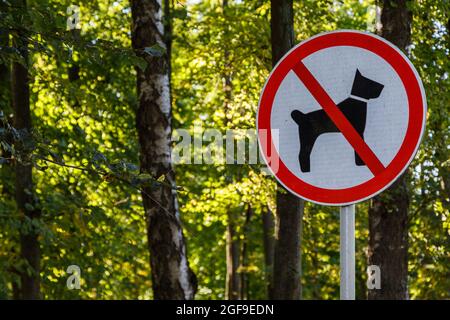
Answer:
(171, 275)
(287, 257)
(388, 212)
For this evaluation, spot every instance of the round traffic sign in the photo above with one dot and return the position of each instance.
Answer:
(341, 117)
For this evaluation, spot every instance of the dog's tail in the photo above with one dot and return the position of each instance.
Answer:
(299, 117)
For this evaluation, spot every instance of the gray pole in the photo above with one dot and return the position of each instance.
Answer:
(347, 252)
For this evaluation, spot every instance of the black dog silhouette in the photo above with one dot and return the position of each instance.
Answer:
(311, 125)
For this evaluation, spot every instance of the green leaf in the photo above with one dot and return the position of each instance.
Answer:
(145, 176)
(155, 51)
(139, 62)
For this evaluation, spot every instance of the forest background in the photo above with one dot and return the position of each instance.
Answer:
(85, 206)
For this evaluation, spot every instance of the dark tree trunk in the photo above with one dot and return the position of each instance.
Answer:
(73, 72)
(171, 275)
(388, 212)
(444, 170)
(287, 258)
(25, 198)
(7, 171)
(167, 19)
(233, 284)
(445, 184)
(269, 247)
(396, 21)
(5, 93)
(244, 255)
(282, 28)
(4, 68)
(388, 241)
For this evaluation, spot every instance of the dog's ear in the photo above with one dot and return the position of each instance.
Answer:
(297, 116)
(358, 77)
(364, 87)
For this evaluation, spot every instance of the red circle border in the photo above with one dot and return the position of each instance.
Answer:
(416, 123)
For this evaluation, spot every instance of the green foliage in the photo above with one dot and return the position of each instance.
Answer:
(84, 151)
(430, 232)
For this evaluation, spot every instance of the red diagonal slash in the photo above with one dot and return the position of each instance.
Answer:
(339, 119)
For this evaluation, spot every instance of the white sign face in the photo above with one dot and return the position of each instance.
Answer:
(350, 111)
(332, 159)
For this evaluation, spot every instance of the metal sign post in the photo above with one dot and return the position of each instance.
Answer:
(347, 252)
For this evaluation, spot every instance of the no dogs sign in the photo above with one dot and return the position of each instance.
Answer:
(342, 115)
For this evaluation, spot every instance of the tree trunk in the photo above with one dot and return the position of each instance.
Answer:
(167, 21)
(73, 72)
(282, 28)
(388, 212)
(171, 275)
(269, 247)
(444, 170)
(7, 172)
(287, 258)
(25, 198)
(4, 67)
(244, 255)
(5, 93)
(233, 284)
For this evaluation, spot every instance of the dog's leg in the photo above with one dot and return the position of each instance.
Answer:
(304, 156)
(358, 160)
